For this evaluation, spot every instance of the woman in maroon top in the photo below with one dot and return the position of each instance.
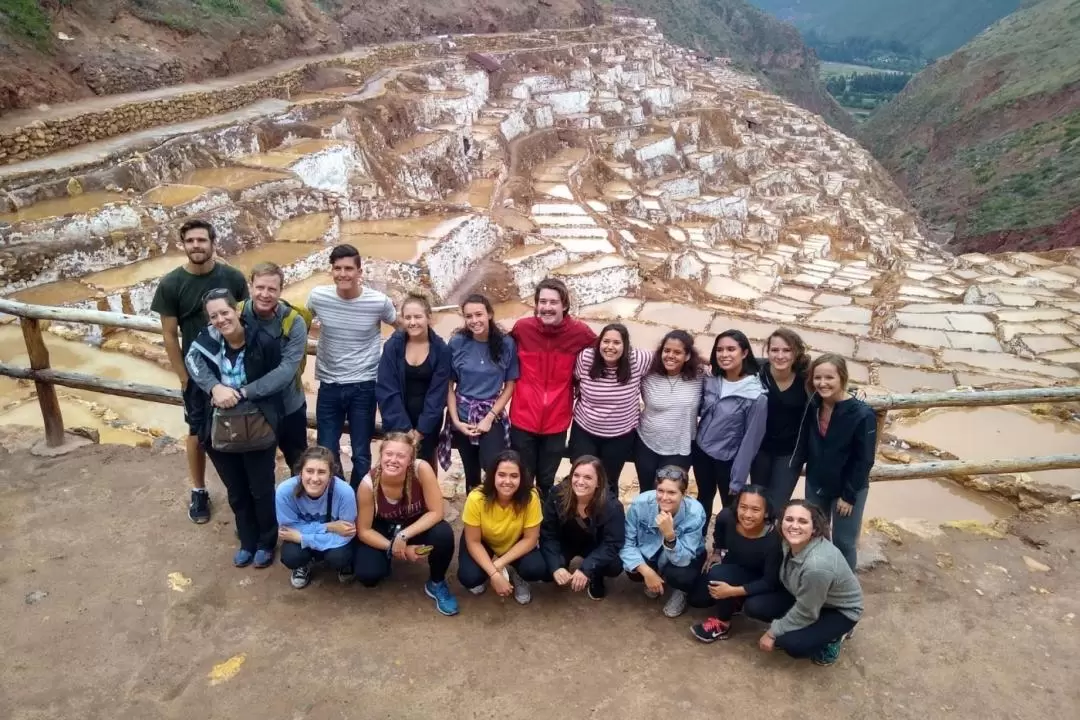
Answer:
(400, 517)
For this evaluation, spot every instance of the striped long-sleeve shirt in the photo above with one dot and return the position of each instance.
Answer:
(669, 420)
(349, 337)
(606, 407)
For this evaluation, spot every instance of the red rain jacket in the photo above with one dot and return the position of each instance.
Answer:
(543, 399)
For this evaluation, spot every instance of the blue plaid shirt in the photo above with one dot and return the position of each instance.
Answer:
(232, 371)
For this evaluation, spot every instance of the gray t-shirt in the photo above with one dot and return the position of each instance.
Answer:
(669, 419)
(349, 338)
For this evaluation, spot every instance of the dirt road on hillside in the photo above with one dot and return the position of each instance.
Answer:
(92, 627)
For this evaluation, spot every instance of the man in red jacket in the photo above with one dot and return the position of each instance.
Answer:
(540, 412)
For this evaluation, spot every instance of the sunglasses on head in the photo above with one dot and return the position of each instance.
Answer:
(216, 294)
(671, 472)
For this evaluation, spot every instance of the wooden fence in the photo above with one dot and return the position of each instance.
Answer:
(46, 379)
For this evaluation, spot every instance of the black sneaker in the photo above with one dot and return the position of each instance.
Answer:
(301, 576)
(345, 576)
(711, 630)
(199, 509)
(596, 589)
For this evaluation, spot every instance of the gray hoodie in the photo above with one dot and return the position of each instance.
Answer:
(732, 424)
(818, 577)
(282, 378)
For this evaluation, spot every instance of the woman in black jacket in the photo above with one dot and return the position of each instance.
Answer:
(581, 519)
(841, 441)
(777, 466)
(745, 565)
(222, 361)
(414, 375)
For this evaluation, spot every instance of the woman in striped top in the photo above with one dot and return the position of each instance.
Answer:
(608, 406)
(671, 391)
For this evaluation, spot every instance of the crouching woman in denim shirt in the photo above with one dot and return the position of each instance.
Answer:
(664, 541)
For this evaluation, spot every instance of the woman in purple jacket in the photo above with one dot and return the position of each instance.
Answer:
(414, 374)
(734, 408)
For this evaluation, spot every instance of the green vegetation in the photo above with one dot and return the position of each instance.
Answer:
(1002, 121)
(926, 28)
(868, 52)
(278, 6)
(26, 19)
(865, 91)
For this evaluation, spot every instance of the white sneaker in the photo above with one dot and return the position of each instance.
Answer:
(676, 604)
(522, 593)
(479, 589)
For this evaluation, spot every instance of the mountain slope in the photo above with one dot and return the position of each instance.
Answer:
(754, 41)
(987, 141)
(932, 27)
(60, 50)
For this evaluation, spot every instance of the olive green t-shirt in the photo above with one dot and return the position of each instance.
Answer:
(180, 295)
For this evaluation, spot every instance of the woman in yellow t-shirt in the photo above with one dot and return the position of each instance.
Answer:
(500, 543)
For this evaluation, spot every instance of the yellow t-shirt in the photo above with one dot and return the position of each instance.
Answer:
(500, 527)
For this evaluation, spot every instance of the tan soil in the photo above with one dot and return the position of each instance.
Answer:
(956, 627)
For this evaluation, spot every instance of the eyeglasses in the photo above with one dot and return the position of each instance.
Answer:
(216, 294)
(671, 472)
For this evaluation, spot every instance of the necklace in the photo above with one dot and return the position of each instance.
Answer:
(672, 382)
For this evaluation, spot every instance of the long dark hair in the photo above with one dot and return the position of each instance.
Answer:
(320, 454)
(495, 334)
(568, 501)
(622, 367)
(691, 369)
(749, 363)
(817, 518)
(762, 492)
(801, 363)
(522, 495)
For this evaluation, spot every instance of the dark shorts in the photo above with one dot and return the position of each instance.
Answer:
(194, 408)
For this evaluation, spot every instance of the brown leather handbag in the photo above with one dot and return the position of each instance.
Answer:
(239, 429)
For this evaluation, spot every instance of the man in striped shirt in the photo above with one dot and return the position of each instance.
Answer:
(347, 358)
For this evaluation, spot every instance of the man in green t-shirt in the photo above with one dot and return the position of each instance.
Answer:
(179, 302)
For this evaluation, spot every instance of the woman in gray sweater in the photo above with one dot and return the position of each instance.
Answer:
(825, 599)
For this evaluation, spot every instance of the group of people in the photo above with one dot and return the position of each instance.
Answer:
(507, 402)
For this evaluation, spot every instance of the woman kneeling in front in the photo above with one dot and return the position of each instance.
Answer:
(582, 519)
(400, 507)
(745, 565)
(316, 514)
(502, 529)
(825, 599)
(664, 543)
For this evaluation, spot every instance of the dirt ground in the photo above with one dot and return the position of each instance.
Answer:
(958, 626)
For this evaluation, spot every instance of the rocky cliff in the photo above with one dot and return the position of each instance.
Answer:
(986, 142)
(60, 50)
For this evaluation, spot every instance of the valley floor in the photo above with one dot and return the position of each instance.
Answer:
(957, 626)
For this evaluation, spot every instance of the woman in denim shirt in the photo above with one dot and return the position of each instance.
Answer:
(664, 540)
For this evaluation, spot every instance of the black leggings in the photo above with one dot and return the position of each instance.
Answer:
(340, 558)
(805, 642)
(614, 452)
(680, 578)
(754, 606)
(531, 567)
(249, 480)
(712, 476)
(475, 459)
(372, 565)
(646, 462)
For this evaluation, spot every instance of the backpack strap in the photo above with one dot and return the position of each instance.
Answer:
(330, 501)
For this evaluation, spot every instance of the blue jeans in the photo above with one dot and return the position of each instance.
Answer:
(354, 402)
(845, 530)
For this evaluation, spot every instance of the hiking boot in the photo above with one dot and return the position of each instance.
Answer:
(243, 558)
(829, 654)
(711, 630)
(596, 589)
(522, 593)
(445, 602)
(301, 576)
(345, 576)
(676, 604)
(264, 558)
(198, 510)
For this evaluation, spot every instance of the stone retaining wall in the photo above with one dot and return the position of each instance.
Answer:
(49, 136)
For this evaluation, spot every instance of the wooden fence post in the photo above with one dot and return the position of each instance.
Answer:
(46, 392)
(881, 415)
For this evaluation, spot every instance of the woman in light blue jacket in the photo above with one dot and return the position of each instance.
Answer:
(664, 539)
(734, 411)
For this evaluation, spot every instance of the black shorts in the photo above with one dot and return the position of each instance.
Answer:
(194, 408)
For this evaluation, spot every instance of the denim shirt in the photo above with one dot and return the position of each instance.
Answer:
(644, 539)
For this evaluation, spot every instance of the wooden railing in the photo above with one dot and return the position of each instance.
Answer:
(46, 379)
